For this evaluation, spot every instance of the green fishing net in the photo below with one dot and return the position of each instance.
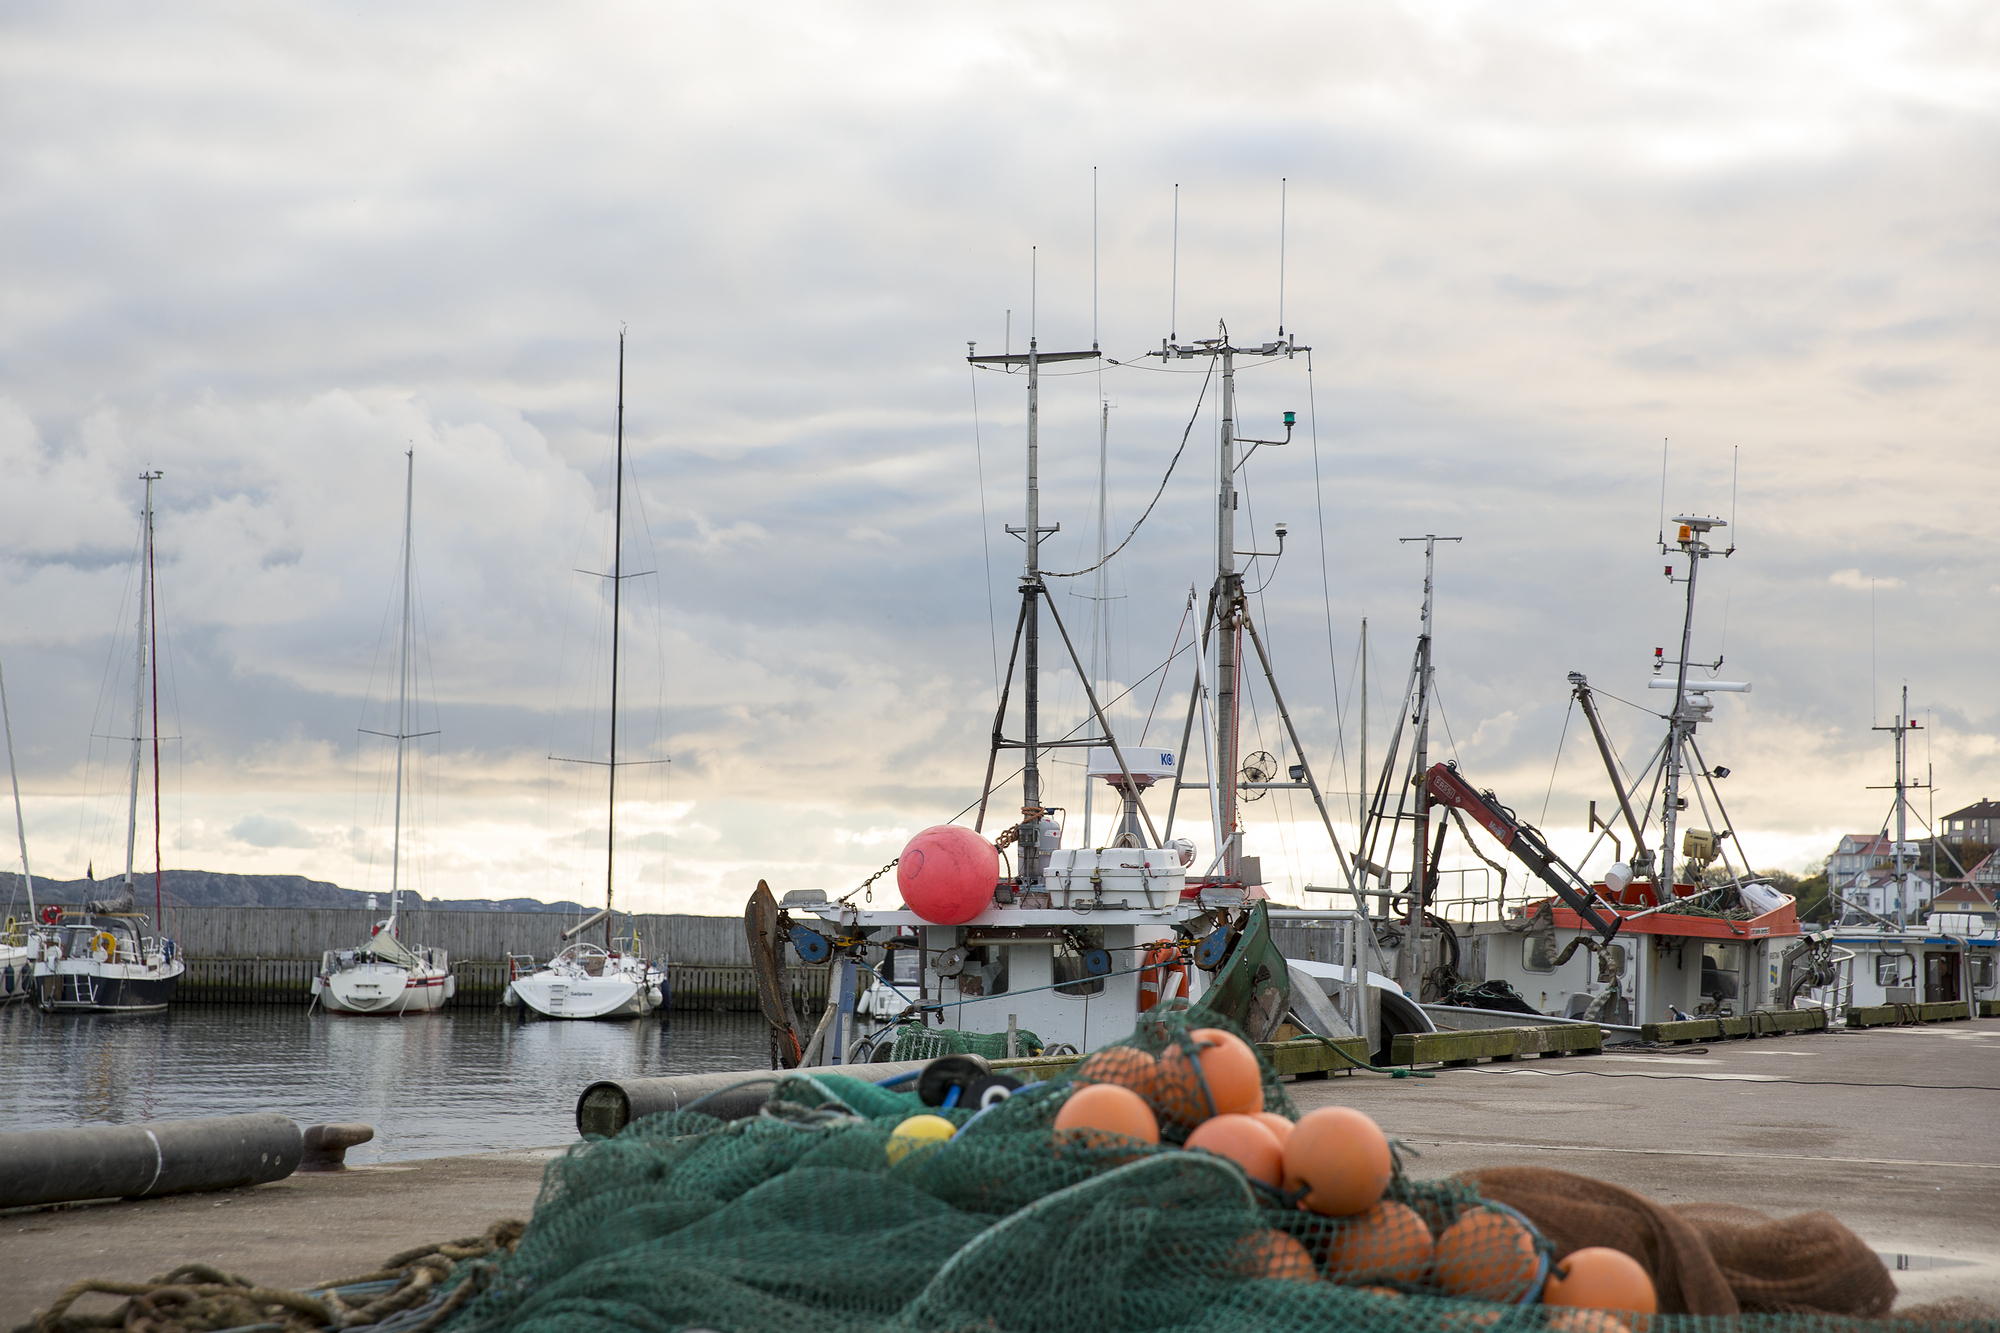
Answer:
(914, 1041)
(797, 1219)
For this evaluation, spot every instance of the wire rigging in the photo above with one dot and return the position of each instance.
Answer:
(1185, 435)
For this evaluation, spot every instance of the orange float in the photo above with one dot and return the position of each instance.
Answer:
(1273, 1254)
(1488, 1255)
(1244, 1140)
(1277, 1124)
(1342, 1156)
(1107, 1108)
(1228, 1068)
(1585, 1321)
(1390, 1242)
(1125, 1066)
(1600, 1278)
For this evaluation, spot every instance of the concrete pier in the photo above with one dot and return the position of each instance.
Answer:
(1888, 1129)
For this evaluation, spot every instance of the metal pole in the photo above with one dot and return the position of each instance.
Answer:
(1409, 959)
(1679, 725)
(139, 676)
(20, 827)
(617, 587)
(1228, 606)
(1031, 682)
(402, 690)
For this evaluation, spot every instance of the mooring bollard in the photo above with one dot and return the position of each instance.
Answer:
(326, 1145)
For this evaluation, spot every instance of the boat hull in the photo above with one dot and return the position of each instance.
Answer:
(555, 996)
(84, 986)
(384, 988)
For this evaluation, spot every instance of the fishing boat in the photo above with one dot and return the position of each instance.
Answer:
(1902, 954)
(1066, 949)
(382, 974)
(1656, 938)
(102, 959)
(614, 979)
(19, 943)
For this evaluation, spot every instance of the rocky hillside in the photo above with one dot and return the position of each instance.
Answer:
(207, 888)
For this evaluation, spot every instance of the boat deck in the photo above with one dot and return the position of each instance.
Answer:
(1889, 1129)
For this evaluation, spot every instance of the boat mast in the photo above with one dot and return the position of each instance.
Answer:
(20, 827)
(1409, 959)
(1100, 627)
(1030, 873)
(153, 632)
(402, 689)
(1903, 726)
(1681, 723)
(617, 586)
(139, 678)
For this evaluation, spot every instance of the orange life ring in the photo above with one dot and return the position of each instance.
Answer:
(1161, 964)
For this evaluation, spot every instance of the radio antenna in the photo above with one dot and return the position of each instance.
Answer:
(1281, 256)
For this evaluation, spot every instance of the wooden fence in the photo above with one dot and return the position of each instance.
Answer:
(267, 955)
(481, 984)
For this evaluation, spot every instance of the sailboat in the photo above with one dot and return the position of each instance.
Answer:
(101, 960)
(614, 979)
(383, 975)
(19, 943)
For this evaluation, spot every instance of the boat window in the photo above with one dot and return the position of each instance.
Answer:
(1722, 956)
(1981, 970)
(1072, 976)
(903, 965)
(1538, 953)
(1895, 969)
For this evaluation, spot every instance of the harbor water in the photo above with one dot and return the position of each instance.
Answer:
(432, 1085)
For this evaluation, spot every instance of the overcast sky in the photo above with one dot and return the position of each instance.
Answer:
(267, 248)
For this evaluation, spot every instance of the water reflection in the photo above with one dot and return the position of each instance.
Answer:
(432, 1084)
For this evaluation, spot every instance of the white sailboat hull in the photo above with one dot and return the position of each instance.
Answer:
(564, 994)
(385, 988)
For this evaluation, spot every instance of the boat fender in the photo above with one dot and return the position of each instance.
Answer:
(167, 950)
(106, 941)
(948, 1074)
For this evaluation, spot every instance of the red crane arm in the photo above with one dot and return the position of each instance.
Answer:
(1446, 787)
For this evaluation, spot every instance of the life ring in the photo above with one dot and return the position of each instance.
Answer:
(1161, 964)
(51, 915)
(105, 940)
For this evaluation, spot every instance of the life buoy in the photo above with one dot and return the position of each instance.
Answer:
(1162, 963)
(51, 914)
(106, 941)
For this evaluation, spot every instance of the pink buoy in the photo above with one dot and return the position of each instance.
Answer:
(947, 874)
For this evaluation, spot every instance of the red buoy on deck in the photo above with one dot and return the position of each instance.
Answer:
(947, 874)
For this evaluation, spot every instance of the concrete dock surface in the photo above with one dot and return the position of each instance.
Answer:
(1892, 1130)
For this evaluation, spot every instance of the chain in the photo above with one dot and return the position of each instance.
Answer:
(869, 883)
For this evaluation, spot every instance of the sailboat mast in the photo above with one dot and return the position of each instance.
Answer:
(153, 632)
(402, 689)
(617, 586)
(139, 677)
(1681, 724)
(20, 827)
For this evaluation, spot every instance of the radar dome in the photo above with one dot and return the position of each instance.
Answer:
(947, 874)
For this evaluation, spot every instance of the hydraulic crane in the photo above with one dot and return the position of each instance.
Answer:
(1446, 787)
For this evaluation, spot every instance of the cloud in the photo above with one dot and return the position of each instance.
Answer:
(262, 830)
(1525, 243)
(1852, 578)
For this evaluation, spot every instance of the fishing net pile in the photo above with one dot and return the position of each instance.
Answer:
(844, 1207)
